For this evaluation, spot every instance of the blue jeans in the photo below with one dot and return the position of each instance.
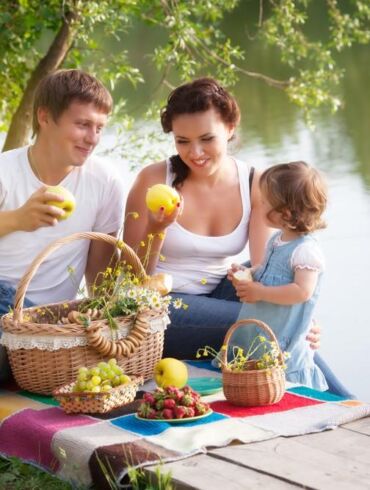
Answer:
(206, 321)
(7, 294)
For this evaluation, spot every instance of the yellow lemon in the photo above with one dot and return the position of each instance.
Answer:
(162, 196)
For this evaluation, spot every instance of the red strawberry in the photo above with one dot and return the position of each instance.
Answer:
(189, 412)
(144, 409)
(201, 408)
(187, 400)
(149, 398)
(189, 391)
(158, 394)
(169, 403)
(159, 404)
(167, 413)
(152, 414)
(174, 393)
(179, 412)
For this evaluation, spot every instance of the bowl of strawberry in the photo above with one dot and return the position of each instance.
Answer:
(172, 404)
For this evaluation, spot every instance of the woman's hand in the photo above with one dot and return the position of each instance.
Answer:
(314, 336)
(158, 222)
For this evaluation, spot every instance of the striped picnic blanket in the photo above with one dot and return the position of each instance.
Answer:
(83, 449)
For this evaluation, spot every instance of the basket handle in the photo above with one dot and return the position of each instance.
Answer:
(124, 347)
(250, 321)
(55, 245)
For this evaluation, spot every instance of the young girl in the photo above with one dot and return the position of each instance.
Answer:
(286, 285)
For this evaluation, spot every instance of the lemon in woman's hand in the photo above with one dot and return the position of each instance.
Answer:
(162, 196)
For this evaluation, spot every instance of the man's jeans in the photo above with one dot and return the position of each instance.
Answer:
(7, 294)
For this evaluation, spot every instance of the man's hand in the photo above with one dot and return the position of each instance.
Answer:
(36, 213)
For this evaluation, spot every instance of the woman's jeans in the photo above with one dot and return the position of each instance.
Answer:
(7, 294)
(206, 321)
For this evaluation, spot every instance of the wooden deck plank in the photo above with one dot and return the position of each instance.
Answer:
(203, 472)
(332, 459)
(362, 426)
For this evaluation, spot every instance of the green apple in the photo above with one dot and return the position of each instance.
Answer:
(69, 203)
(162, 196)
(170, 372)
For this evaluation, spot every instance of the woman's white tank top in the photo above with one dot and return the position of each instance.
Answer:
(192, 259)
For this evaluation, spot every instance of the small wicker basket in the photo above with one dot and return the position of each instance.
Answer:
(42, 370)
(252, 387)
(87, 402)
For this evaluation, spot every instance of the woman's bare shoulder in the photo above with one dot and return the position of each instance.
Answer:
(154, 173)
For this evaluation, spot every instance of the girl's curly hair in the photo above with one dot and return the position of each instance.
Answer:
(298, 192)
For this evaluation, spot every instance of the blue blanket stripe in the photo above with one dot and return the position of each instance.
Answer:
(149, 428)
(324, 396)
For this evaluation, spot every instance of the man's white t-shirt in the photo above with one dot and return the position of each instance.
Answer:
(99, 196)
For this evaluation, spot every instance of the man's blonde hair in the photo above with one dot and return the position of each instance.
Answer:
(58, 90)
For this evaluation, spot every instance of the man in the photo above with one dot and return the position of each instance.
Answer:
(71, 109)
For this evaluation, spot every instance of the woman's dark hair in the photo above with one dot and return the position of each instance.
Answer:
(198, 96)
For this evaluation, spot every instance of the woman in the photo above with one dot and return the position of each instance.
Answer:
(220, 214)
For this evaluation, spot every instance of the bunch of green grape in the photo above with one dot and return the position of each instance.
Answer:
(101, 378)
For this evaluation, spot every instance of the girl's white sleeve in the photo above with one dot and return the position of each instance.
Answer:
(308, 255)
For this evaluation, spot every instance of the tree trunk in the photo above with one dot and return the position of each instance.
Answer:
(20, 126)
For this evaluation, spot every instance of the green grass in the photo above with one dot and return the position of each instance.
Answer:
(15, 475)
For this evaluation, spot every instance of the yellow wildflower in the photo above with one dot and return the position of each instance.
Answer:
(161, 235)
(135, 215)
(203, 281)
(142, 243)
(162, 258)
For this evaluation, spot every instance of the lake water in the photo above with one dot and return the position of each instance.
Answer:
(273, 131)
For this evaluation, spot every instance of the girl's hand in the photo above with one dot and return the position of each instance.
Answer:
(158, 222)
(249, 291)
(233, 269)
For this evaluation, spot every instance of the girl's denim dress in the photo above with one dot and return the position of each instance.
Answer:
(289, 323)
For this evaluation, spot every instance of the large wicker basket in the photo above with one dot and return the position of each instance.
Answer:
(252, 387)
(45, 356)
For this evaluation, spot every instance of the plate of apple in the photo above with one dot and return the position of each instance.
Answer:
(173, 405)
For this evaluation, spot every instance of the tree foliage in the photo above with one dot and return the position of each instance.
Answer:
(39, 37)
